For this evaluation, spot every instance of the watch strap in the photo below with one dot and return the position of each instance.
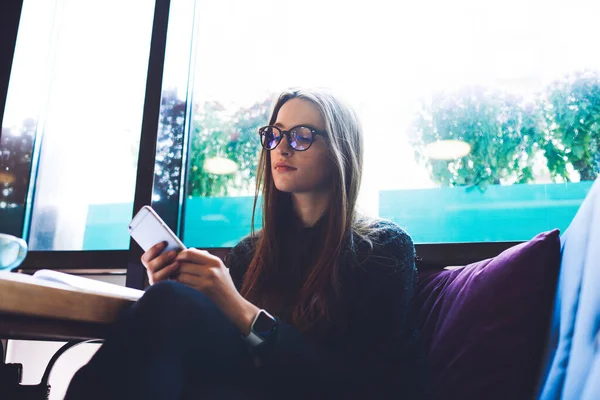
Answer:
(253, 339)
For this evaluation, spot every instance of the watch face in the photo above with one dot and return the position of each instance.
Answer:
(264, 324)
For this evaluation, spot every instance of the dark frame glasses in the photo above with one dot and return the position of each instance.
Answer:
(300, 137)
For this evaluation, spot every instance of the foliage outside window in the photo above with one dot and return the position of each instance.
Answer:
(509, 136)
(15, 158)
(572, 126)
(215, 135)
(554, 136)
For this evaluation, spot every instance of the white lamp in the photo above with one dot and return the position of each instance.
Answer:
(220, 166)
(447, 149)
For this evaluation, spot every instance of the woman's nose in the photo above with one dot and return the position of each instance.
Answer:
(284, 147)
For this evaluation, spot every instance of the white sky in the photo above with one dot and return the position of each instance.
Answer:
(381, 55)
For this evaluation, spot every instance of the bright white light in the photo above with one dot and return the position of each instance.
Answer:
(220, 166)
(447, 149)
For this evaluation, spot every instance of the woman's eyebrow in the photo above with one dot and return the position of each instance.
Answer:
(282, 126)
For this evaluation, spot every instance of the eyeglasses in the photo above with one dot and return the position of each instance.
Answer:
(299, 137)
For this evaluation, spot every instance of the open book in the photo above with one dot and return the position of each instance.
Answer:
(61, 280)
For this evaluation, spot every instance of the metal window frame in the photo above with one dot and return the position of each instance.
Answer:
(10, 15)
(145, 168)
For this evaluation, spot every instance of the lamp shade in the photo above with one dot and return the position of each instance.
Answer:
(447, 149)
(220, 166)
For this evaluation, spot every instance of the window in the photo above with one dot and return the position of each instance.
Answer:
(482, 121)
(513, 82)
(76, 91)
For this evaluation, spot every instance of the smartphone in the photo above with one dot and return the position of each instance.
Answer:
(148, 229)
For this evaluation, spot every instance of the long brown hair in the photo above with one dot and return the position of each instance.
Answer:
(345, 143)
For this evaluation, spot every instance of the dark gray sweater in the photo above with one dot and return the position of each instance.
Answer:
(372, 349)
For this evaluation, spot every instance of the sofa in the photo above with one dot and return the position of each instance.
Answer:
(521, 325)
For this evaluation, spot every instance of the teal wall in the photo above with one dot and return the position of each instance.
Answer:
(106, 226)
(441, 215)
(11, 220)
(208, 222)
(218, 221)
(501, 213)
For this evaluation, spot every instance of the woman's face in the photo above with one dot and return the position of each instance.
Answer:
(306, 171)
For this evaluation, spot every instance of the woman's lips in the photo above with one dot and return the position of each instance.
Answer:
(282, 168)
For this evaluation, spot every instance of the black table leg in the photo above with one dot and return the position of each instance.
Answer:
(11, 374)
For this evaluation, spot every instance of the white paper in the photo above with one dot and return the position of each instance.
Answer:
(24, 278)
(60, 280)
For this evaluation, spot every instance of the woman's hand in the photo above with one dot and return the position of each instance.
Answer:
(205, 272)
(159, 267)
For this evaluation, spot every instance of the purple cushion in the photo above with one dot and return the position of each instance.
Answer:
(485, 325)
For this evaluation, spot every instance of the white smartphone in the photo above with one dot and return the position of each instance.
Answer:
(148, 229)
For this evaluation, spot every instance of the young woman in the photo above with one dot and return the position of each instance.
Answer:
(317, 304)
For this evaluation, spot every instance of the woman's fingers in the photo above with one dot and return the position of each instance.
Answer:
(164, 273)
(159, 266)
(153, 252)
(161, 261)
(194, 264)
(201, 257)
(192, 269)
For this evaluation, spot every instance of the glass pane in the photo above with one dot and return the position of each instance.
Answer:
(21, 114)
(172, 126)
(87, 107)
(474, 130)
(173, 113)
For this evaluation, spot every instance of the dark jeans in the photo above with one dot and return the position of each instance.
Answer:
(173, 343)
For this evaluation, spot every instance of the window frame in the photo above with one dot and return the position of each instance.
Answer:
(10, 14)
(429, 255)
(128, 260)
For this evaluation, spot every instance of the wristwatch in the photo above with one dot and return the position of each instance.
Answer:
(262, 330)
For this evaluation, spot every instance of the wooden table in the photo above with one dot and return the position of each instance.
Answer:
(47, 312)
(32, 311)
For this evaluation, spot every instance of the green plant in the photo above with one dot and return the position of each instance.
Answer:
(214, 133)
(234, 137)
(169, 145)
(498, 128)
(571, 135)
(244, 143)
(15, 161)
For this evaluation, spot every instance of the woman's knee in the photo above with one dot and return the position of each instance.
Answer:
(172, 310)
(161, 293)
(168, 301)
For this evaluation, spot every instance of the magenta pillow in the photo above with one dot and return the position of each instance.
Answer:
(485, 325)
